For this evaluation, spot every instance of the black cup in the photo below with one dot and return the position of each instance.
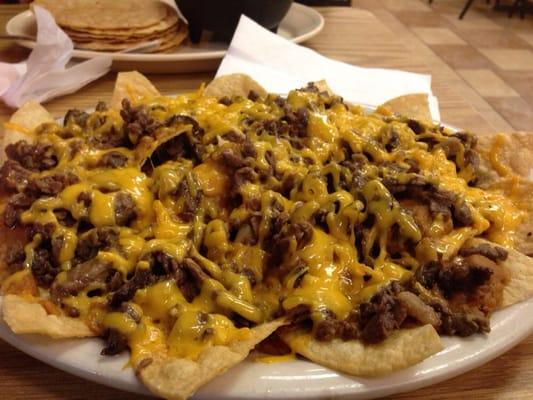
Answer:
(221, 16)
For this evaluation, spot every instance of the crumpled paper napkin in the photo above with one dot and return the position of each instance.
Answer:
(280, 65)
(45, 75)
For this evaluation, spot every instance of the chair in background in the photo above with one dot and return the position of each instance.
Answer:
(468, 4)
(519, 5)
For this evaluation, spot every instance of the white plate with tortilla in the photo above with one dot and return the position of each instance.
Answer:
(300, 24)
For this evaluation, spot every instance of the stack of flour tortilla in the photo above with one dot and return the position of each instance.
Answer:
(115, 25)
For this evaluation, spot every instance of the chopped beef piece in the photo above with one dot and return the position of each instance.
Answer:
(35, 157)
(464, 276)
(64, 217)
(137, 121)
(91, 242)
(79, 277)
(57, 244)
(226, 101)
(141, 279)
(15, 258)
(101, 106)
(451, 146)
(116, 343)
(231, 158)
(330, 328)
(416, 126)
(43, 266)
(461, 324)
(114, 282)
(469, 140)
(113, 159)
(383, 314)
(113, 137)
(51, 185)
(85, 198)
(239, 178)
(161, 264)
(253, 95)
(15, 206)
(494, 253)
(428, 274)
(131, 311)
(125, 209)
(439, 201)
(76, 117)
(462, 214)
(191, 194)
(13, 176)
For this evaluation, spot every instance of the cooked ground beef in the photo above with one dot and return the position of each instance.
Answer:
(116, 343)
(15, 206)
(113, 159)
(125, 209)
(64, 217)
(51, 185)
(191, 194)
(15, 258)
(137, 121)
(76, 117)
(494, 253)
(461, 214)
(91, 242)
(462, 277)
(461, 324)
(79, 277)
(141, 279)
(43, 266)
(13, 176)
(331, 328)
(457, 276)
(383, 314)
(35, 157)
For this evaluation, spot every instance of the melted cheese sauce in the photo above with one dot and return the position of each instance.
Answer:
(332, 273)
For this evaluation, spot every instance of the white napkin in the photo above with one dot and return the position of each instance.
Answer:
(280, 65)
(44, 75)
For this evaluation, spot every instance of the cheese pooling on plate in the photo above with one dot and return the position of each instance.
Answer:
(180, 222)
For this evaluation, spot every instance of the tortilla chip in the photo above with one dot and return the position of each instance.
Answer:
(22, 124)
(414, 106)
(506, 164)
(133, 86)
(178, 378)
(520, 285)
(402, 349)
(25, 316)
(233, 85)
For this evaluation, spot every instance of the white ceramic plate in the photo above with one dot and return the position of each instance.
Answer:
(301, 23)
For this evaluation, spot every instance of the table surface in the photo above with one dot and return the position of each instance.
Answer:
(351, 35)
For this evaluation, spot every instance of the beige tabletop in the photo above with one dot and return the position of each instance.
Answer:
(351, 35)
